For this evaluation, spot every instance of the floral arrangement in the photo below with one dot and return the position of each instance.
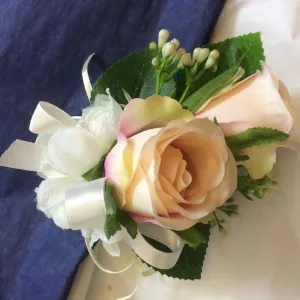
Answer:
(167, 142)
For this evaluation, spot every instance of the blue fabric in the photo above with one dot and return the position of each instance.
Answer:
(43, 45)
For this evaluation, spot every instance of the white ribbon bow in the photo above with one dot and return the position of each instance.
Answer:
(75, 203)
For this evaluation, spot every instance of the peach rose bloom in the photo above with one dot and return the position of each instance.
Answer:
(168, 167)
(259, 101)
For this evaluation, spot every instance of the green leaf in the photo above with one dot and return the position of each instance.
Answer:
(249, 47)
(111, 225)
(240, 157)
(98, 171)
(250, 187)
(127, 96)
(229, 210)
(128, 74)
(198, 98)
(126, 221)
(256, 136)
(189, 265)
(116, 216)
(149, 87)
(110, 203)
(193, 237)
(245, 50)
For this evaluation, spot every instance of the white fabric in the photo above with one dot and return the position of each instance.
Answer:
(260, 257)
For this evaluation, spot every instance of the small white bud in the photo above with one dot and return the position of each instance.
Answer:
(178, 54)
(163, 36)
(186, 58)
(196, 52)
(210, 63)
(152, 46)
(202, 55)
(192, 62)
(194, 69)
(214, 54)
(155, 62)
(168, 49)
(180, 65)
(214, 68)
(176, 42)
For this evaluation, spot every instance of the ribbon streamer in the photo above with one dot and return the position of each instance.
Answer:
(23, 155)
(99, 265)
(85, 77)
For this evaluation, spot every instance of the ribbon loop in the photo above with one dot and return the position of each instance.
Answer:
(151, 255)
(100, 266)
(47, 118)
(85, 202)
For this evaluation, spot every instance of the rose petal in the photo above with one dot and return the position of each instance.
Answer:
(171, 159)
(116, 171)
(233, 128)
(262, 159)
(255, 101)
(153, 112)
(226, 188)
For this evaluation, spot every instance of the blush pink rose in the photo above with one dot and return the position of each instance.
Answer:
(259, 101)
(168, 167)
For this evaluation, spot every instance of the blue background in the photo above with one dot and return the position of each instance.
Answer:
(43, 45)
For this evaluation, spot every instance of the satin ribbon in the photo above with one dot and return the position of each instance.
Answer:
(23, 155)
(84, 202)
(85, 76)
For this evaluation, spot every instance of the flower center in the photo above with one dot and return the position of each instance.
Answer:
(174, 169)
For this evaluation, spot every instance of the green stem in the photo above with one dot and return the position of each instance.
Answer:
(159, 84)
(171, 94)
(190, 81)
(172, 74)
(199, 74)
(184, 93)
(217, 220)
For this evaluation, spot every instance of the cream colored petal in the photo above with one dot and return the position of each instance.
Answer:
(255, 101)
(233, 128)
(262, 159)
(153, 112)
(204, 163)
(183, 181)
(143, 162)
(178, 176)
(194, 212)
(226, 188)
(175, 222)
(141, 202)
(115, 169)
(212, 131)
(170, 160)
(166, 189)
